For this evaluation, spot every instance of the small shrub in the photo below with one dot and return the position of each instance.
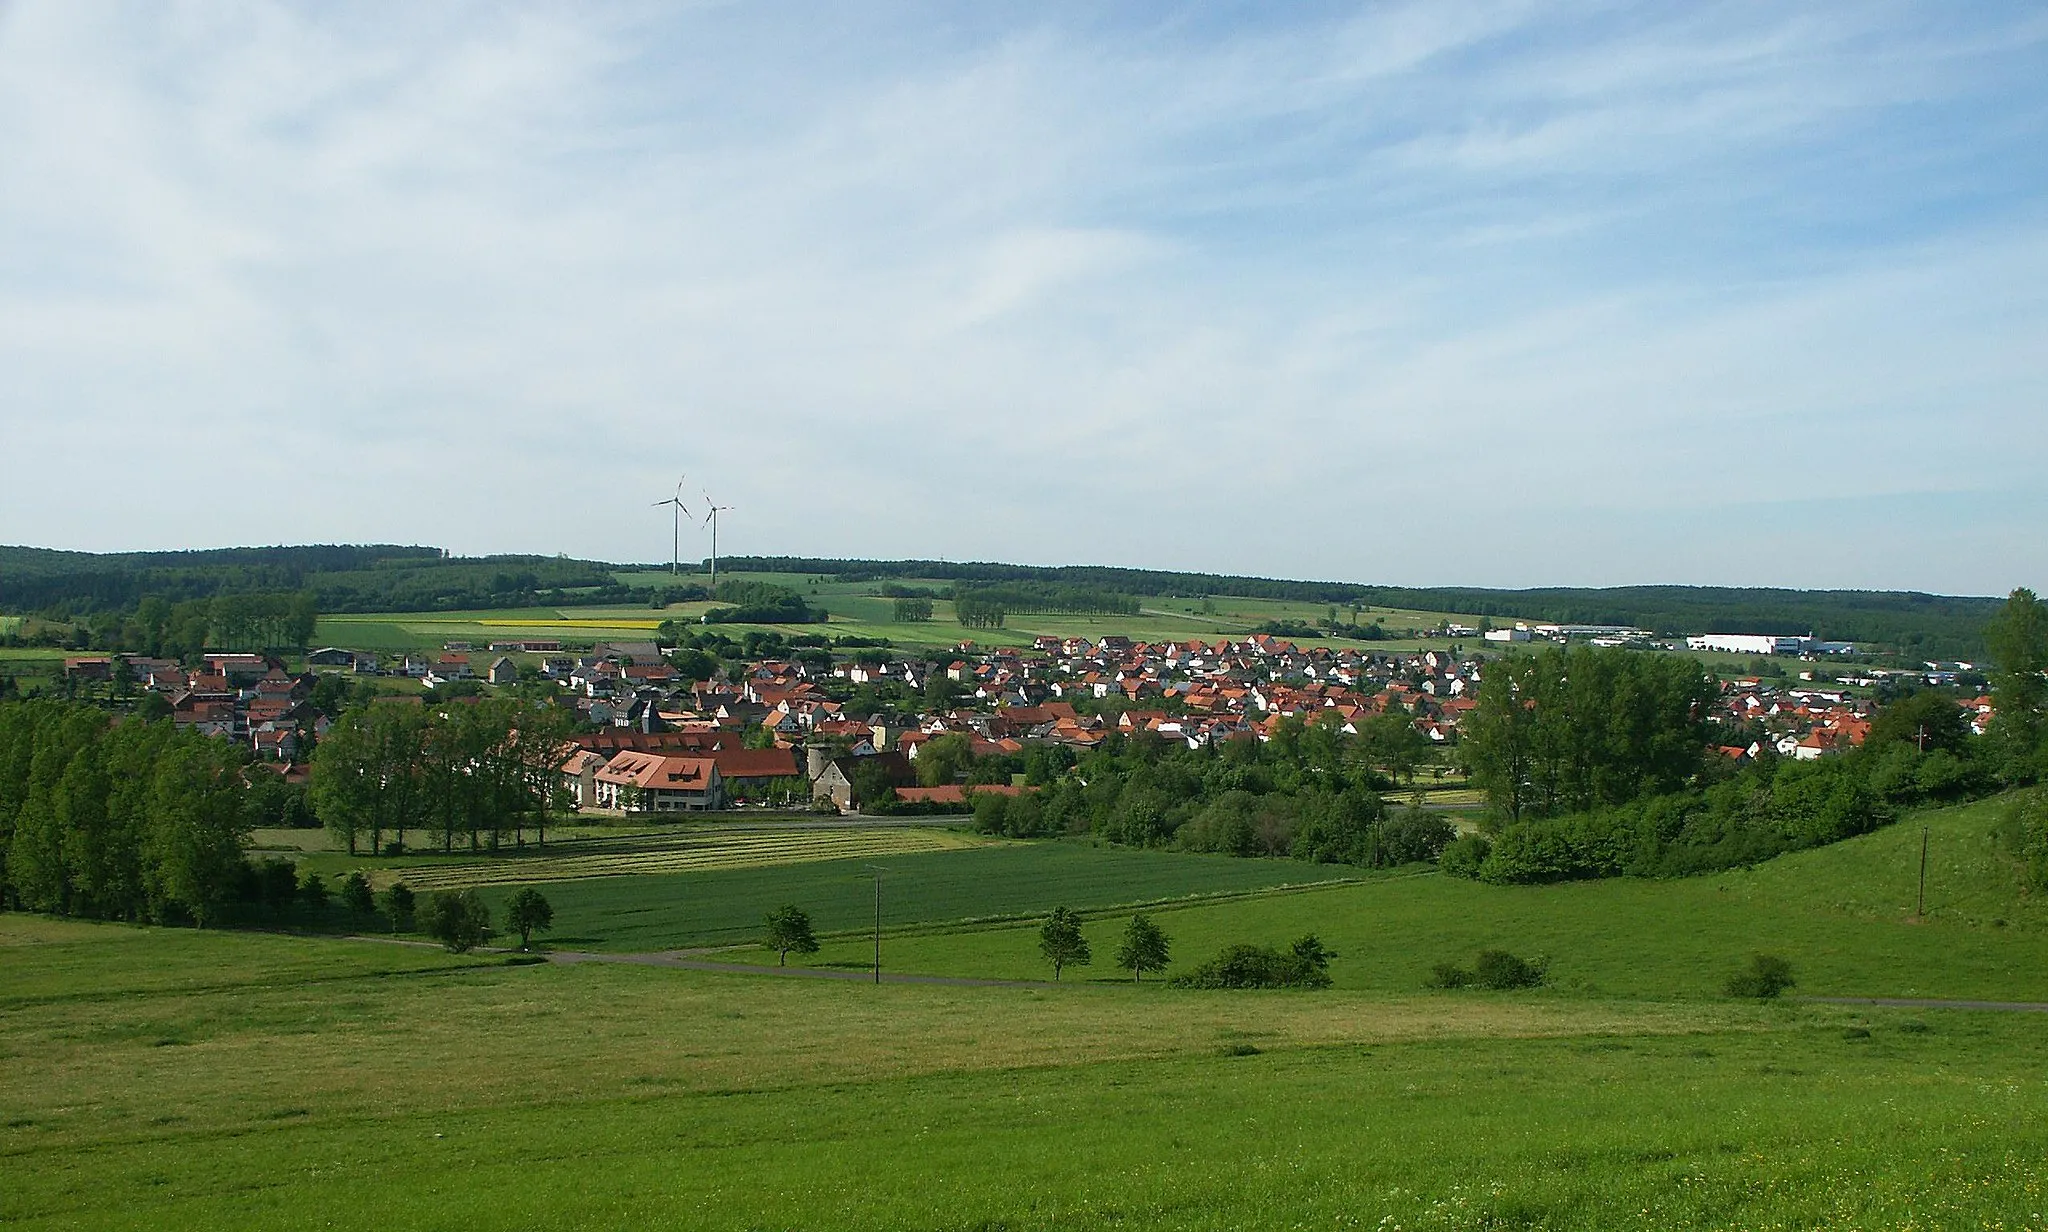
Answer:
(356, 894)
(1448, 975)
(394, 848)
(1500, 970)
(1765, 977)
(1462, 857)
(458, 919)
(1239, 1050)
(399, 902)
(1913, 1026)
(1494, 969)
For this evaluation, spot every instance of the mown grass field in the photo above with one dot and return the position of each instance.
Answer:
(689, 852)
(174, 1079)
(1841, 915)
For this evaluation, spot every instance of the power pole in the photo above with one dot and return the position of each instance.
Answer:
(878, 870)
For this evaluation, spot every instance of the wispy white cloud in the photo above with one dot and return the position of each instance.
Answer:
(1511, 293)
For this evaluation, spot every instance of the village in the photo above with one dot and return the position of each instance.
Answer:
(782, 733)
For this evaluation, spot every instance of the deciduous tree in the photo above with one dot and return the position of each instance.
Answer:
(1144, 948)
(789, 932)
(529, 911)
(1061, 942)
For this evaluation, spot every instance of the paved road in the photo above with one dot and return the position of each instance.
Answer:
(1930, 1003)
(814, 973)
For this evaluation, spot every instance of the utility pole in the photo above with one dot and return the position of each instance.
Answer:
(1920, 912)
(878, 871)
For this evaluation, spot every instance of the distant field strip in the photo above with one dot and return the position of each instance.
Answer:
(688, 854)
(1453, 797)
(567, 624)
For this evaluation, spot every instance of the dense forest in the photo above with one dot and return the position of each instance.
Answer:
(340, 578)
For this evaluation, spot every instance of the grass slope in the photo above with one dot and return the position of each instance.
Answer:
(1839, 914)
(619, 1097)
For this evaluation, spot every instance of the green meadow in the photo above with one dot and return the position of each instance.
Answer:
(1842, 915)
(176, 1078)
(163, 1080)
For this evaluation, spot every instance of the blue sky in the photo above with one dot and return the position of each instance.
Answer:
(1495, 294)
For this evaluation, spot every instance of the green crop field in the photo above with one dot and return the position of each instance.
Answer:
(724, 906)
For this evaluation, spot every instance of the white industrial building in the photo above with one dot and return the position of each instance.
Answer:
(1749, 643)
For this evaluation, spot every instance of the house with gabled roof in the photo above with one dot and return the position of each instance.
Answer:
(636, 782)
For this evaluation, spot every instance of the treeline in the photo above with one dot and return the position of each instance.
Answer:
(1908, 623)
(39, 579)
(987, 607)
(1595, 768)
(1044, 599)
(1374, 632)
(1563, 731)
(131, 820)
(1912, 624)
(341, 578)
(1310, 792)
(459, 584)
(1766, 810)
(1089, 577)
(762, 603)
(158, 627)
(476, 771)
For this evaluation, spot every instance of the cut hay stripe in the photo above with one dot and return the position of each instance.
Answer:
(695, 854)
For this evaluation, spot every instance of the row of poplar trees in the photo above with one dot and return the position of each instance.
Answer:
(477, 771)
(124, 820)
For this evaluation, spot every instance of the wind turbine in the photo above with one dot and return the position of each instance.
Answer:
(711, 519)
(675, 543)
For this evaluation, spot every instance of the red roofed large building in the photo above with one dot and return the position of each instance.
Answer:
(636, 782)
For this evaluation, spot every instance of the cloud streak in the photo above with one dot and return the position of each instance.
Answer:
(1508, 294)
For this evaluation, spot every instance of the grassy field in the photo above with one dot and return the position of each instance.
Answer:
(177, 1078)
(174, 1079)
(690, 852)
(920, 889)
(1841, 915)
(856, 611)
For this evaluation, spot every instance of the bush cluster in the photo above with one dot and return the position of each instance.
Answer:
(1305, 964)
(1767, 810)
(1494, 969)
(1765, 976)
